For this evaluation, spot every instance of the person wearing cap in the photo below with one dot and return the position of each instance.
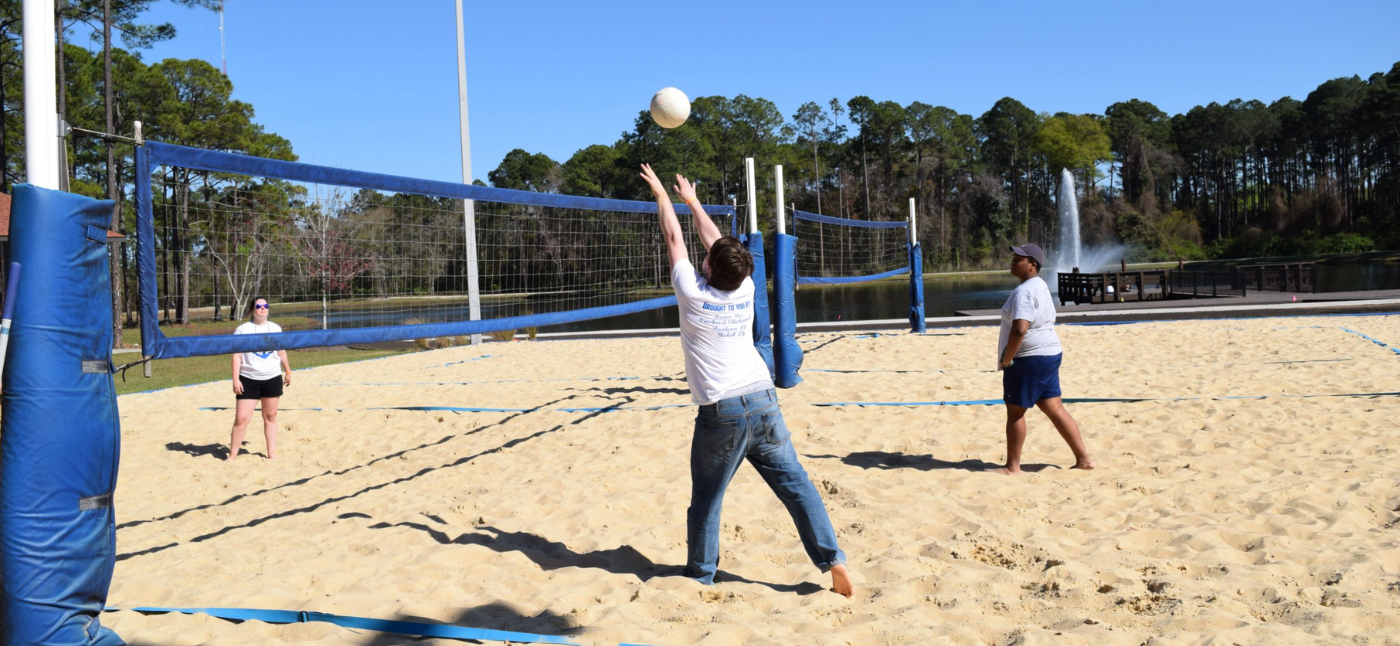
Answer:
(1028, 354)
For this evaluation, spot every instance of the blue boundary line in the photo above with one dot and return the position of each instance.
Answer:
(1216, 318)
(1374, 340)
(1104, 400)
(472, 409)
(411, 628)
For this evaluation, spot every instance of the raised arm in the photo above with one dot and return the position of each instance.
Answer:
(666, 214)
(709, 233)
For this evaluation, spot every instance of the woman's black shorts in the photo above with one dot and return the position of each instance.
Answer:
(260, 388)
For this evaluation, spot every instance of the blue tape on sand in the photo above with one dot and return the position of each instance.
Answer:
(454, 409)
(1106, 400)
(474, 409)
(1229, 318)
(412, 628)
(1374, 340)
(464, 360)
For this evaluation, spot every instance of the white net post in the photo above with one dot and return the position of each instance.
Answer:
(778, 188)
(913, 230)
(468, 207)
(753, 195)
(40, 95)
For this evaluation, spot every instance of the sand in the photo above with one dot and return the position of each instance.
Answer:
(1208, 521)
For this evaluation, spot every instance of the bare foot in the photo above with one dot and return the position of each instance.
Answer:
(1006, 471)
(1087, 465)
(231, 457)
(841, 581)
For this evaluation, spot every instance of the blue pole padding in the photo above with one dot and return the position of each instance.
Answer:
(762, 329)
(59, 444)
(10, 286)
(916, 289)
(412, 628)
(787, 354)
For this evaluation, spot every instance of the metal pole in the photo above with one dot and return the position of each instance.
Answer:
(468, 206)
(753, 195)
(778, 184)
(40, 95)
(223, 49)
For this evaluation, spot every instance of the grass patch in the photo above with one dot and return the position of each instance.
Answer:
(168, 373)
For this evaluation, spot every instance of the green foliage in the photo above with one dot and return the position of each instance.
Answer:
(523, 171)
(1074, 141)
(594, 171)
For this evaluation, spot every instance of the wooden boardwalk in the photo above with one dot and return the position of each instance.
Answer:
(1258, 298)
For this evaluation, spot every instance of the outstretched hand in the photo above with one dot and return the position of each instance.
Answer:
(652, 181)
(685, 190)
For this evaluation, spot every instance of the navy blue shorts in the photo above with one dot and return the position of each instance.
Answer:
(1031, 379)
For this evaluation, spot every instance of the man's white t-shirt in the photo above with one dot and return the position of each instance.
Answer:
(259, 365)
(1030, 301)
(717, 337)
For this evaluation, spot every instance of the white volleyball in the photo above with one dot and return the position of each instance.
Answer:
(670, 107)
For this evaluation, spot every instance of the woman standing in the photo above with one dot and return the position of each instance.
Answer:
(258, 377)
(1028, 354)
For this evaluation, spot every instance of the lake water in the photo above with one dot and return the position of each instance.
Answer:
(943, 296)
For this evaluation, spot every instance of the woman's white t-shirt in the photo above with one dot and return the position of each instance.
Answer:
(264, 365)
(717, 337)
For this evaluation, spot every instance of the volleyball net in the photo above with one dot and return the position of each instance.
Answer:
(346, 256)
(841, 251)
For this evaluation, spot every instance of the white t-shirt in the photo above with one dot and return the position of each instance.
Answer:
(717, 337)
(1030, 301)
(259, 365)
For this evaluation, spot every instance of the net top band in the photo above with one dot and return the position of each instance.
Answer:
(827, 219)
(223, 162)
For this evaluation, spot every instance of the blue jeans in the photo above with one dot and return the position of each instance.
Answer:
(727, 432)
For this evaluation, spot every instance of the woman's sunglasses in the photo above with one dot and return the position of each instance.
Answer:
(262, 306)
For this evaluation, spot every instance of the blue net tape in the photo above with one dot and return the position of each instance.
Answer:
(847, 222)
(842, 280)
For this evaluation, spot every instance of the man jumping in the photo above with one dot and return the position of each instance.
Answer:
(739, 417)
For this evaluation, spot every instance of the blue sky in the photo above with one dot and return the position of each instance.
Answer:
(371, 84)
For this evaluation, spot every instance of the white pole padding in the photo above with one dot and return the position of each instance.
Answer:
(468, 206)
(40, 95)
(753, 195)
(778, 184)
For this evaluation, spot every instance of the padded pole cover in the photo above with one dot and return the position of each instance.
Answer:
(787, 354)
(762, 330)
(59, 441)
(916, 289)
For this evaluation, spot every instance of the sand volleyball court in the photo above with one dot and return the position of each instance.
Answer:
(1237, 503)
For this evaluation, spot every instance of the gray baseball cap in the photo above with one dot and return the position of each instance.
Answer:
(1030, 250)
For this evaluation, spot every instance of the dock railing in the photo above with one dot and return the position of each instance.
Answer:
(1182, 282)
(1113, 287)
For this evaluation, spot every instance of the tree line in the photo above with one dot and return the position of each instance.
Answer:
(1243, 178)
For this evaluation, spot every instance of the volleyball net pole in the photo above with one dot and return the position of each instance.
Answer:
(753, 241)
(917, 323)
(787, 354)
(468, 206)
